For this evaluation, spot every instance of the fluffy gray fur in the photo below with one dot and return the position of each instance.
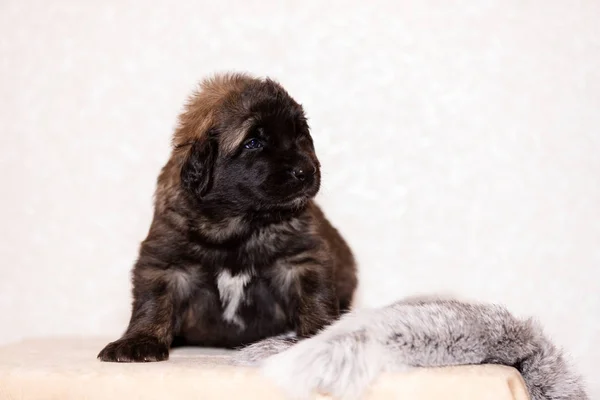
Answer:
(347, 356)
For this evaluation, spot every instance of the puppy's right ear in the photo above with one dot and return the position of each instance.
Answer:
(197, 169)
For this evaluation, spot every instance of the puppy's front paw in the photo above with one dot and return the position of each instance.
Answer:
(135, 349)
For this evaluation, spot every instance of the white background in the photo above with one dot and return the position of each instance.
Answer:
(460, 144)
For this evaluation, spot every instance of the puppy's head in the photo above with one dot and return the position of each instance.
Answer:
(245, 142)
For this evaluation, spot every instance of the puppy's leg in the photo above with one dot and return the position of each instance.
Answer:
(150, 330)
(317, 308)
(149, 333)
(318, 305)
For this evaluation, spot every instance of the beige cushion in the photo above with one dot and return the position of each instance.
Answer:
(68, 369)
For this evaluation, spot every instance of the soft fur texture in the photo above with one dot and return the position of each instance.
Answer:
(237, 250)
(348, 355)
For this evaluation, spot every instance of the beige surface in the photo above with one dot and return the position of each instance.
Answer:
(67, 369)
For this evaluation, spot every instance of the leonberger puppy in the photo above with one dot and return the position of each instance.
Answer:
(237, 250)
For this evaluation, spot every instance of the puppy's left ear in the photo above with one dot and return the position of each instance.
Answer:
(197, 169)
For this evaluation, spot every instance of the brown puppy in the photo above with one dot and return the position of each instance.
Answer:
(237, 249)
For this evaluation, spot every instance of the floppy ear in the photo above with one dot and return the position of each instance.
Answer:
(197, 169)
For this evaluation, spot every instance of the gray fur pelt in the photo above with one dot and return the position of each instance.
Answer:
(346, 357)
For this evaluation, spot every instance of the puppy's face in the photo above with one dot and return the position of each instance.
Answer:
(259, 153)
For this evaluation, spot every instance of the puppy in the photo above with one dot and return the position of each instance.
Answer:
(237, 250)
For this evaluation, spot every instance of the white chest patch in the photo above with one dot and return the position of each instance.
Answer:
(231, 293)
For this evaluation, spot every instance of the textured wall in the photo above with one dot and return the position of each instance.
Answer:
(460, 146)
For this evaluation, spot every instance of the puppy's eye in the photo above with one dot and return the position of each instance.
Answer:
(253, 144)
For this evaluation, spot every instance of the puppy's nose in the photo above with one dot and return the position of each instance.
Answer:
(299, 173)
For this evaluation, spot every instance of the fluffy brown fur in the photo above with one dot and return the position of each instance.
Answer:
(237, 250)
